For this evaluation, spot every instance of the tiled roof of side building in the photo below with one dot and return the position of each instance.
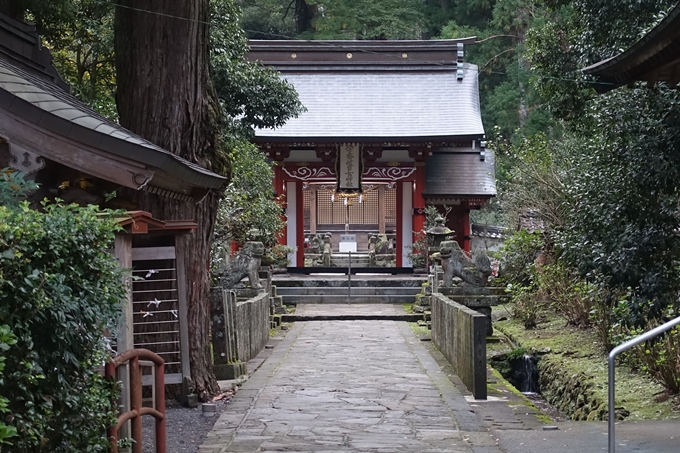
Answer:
(388, 105)
(461, 173)
(48, 106)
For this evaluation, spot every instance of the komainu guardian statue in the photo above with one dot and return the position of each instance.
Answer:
(457, 264)
(245, 264)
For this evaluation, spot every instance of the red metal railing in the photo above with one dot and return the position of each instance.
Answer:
(136, 410)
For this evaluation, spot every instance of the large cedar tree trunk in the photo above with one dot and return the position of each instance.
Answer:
(165, 95)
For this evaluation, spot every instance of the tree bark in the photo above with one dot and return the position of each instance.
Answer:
(165, 95)
(303, 16)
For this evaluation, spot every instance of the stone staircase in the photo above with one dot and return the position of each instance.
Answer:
(333, 289)
(342, 260)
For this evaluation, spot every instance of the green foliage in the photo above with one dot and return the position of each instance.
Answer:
(251, 95)
(623, 222)
(535, 177)
(516, 257)
(82, 48)
(567, 294)
(517, 271)
(59, 291)
(579, 34)
(279, 255)
(658, 357)
(249, 201)
(7, 339)
(13, 186)
(334, 19)
(366, 19)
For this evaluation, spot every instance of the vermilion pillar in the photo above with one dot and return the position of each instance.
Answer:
(300, 222)
(279, 189)
(400, 225)
(419, 200)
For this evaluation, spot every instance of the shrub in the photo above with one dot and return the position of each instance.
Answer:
(658, 357)
(517, 257)
(59, 290)
(569, 296)
(525, 305)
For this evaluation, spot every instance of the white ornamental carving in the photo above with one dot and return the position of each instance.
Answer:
(389, 173)
(307, 173)
(24, 160)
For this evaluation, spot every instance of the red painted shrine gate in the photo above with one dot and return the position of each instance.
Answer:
(390, 127)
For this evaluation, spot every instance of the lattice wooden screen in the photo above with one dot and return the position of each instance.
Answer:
(390, 208)
(335, 213)
(159, 313)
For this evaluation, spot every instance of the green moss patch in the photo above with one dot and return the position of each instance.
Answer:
(574, 374)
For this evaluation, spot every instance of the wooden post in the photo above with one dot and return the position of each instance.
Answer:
(466, 231)
(382, 210)
(125, 338)
(183, 315)
(312, 209)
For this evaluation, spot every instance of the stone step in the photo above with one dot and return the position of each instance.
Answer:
(408, 317)
(342, 291)
(355, 263)
(358, 281)
(294, 299)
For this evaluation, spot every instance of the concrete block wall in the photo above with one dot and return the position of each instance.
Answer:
(460, 334)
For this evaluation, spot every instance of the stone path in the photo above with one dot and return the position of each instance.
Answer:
(349, 387)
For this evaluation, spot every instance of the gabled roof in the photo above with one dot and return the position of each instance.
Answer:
(32, 95)
(376, 90)
(654, 58)
(460, 172)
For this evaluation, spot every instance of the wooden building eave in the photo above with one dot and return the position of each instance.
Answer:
(654, 58)
(25, 137)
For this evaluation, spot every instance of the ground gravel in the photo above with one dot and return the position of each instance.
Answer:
(186, 428)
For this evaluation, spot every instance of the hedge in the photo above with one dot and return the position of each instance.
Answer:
(60, 290)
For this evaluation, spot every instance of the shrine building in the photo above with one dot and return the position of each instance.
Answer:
(389, 128)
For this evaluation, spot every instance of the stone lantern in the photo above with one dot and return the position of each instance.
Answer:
(438, 233)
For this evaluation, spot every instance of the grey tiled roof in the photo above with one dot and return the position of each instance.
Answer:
(44, 104)
(460, 173)
(391, 104)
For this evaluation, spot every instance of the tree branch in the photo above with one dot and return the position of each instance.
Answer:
(496, 36)
(496, 56)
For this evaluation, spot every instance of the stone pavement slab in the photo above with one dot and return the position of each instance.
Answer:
(349, 387)
(349, 309)
(648, 436)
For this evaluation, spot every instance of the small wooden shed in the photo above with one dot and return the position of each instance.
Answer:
(79, 156)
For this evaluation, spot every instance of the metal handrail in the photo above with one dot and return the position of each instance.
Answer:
(612, 358)
(136, 411)
(349, 278)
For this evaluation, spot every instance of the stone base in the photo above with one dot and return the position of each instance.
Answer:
(229, 371)
(246, 293)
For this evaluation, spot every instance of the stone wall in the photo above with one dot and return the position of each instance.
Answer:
(460, 334)
(572, 392)
(240, 329)
(252, 326)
